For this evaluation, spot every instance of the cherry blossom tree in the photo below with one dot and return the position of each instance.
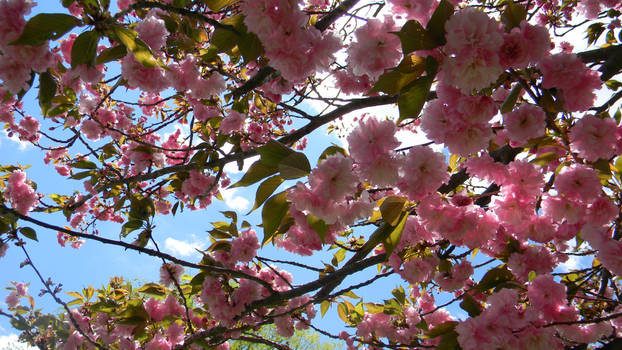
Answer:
(518, 169)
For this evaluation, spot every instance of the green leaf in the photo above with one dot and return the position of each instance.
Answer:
(84, 49)
(47, 90)
(532, 275)
(512, 15)
(250, 47)
(470, 305)
(153, 289)
(329, 151)
(60, 109)
(274, 211)
(294, 166)
(494, 277)
(545, 158)
(224, 39)
(436, 25)
(449, 341)
(84, 164)
(510, 101)
(324, 306)
(442, 328)
(257, 172)
(413, 97)
(130, 226)
(28, 233)
(318, 225)
(111, 54)
(414, 37)
(392, 82)
(82, 175)
(216, 5)
(273, 152)
(399, 294)
(142, 53)
(393, 239)
(44, 27)
(391, 209)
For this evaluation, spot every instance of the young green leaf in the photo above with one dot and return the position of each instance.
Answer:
(44, 27)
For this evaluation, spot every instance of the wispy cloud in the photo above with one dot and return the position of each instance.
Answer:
(233, 201)
(183, 248)
(11, 342)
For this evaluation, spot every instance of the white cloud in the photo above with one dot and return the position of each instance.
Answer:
(232, 168)
(233, 201)
(183, 248)
(10, 342)
(21, 144)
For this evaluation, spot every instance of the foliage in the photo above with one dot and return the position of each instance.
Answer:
(492, 161)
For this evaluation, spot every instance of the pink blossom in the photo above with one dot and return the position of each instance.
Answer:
(350, 84)
(579, 182)
(158, 343)
(546, 295)
(232, 122)
(75, 9)
(474, 41)
(92, 130)
(423, 172)
(610, 255)
(525, 122)
(594, 138)
(12, 300)
(148, 79)
(152, 31)
(532, 258)
(371, 145)
(375, 49)
(22, 196)
(539, 40)
(601, 212)
(169, 273)
(155, 309)
(577, 82)
(196, 184)
(208, 87)
(333, 178)
(244, 247)
(419, 10)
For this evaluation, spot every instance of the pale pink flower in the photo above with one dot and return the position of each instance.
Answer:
(371, 145)
(375, 49)
(419, 10)
(576, 81)
(155, 309)
(12, 300)
(244, 247)
(234, 121)
(594, 138)
(197, 184)
(423, 172)
(579, 182)
(148, 79)
(525, 122)
(152, 31)
(170, 272)
(158, 343)
(22, 196)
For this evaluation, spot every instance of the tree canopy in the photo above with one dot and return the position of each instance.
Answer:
(495, 161)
